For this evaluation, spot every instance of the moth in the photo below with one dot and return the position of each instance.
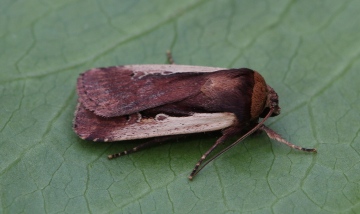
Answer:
(162, 101)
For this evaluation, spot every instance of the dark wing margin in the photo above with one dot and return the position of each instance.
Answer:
(116, 91)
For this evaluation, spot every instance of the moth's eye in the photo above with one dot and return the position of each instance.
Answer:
(266, 111)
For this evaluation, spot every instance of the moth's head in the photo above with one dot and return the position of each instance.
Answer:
(263, 99)
(272, 102)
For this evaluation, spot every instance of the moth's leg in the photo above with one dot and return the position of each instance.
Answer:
(273, 135)
(226, 134)
(169, 57)
(153, 142)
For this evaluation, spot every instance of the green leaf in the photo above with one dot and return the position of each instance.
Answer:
(308, 51)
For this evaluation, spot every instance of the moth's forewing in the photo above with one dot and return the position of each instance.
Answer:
(124, 90)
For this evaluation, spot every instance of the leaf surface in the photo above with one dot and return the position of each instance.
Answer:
(308, 51)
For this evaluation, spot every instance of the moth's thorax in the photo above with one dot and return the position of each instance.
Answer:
(259, 96)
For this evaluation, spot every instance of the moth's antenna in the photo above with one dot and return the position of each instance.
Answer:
(236, 142)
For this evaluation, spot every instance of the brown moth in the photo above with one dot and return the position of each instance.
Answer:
(151, 101)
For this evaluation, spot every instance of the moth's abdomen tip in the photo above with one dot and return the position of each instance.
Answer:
(190, 177)
(110, 157)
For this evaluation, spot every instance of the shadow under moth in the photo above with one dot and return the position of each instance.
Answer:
(162, 101)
